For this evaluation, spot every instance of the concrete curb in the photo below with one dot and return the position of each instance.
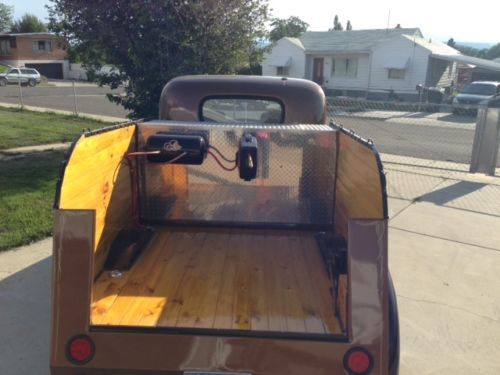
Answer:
(37, 148)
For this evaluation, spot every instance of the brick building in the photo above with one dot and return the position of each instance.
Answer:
(42, 51)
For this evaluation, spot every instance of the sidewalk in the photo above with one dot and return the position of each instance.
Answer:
(109, 119)
(444, 243)
(36, 148)
(445, 119)
(69, 83)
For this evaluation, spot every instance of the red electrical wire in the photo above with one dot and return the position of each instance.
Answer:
(222, 165)
(221, 155)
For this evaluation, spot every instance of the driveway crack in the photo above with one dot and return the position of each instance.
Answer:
(450, 306)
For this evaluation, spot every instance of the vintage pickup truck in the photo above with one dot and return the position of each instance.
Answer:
(238, 234)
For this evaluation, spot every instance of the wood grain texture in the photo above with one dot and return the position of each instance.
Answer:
(359, 190)
(223, 279)
(97, 178)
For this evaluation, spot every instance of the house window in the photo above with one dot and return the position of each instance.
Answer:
(396, 74)
(42, 46)
(282, 71)
(4, 47)
(347, 68)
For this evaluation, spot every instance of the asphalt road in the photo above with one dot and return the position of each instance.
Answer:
(90, 99)
(427, 142)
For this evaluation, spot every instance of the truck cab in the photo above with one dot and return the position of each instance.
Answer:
(240, 233)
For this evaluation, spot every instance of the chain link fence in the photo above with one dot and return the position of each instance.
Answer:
(438, 136)
(70, 96)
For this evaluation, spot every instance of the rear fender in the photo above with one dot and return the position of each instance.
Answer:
(368, 288)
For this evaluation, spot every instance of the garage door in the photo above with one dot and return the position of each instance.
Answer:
(52, 70)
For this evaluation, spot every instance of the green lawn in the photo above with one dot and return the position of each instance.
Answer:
(27, 188)
(25, 128)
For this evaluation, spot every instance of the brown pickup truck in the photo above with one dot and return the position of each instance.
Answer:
(238, 234)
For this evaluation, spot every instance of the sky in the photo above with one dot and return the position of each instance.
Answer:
(438, 19)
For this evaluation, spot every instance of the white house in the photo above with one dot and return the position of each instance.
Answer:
(365, 63)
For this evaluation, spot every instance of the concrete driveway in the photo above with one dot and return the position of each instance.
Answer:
(444, 257)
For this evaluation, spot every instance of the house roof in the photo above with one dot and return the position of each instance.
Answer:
(29, 34)
(295, 41)
(442, 51)
(469, 60)
(433, 46)
(350, 41)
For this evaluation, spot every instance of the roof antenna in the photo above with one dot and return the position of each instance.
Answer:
(388, 19)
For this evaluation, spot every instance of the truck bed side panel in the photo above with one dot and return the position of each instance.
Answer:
(360, 186)
(96, 178)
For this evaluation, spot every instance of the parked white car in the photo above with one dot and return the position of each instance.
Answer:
(27, 76)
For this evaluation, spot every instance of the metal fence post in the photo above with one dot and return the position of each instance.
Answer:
(74, 99)
(20, 94)
(486, 139)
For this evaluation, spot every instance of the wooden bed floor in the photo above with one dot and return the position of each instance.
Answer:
(233, 279)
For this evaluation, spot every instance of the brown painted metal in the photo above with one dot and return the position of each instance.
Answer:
(147, 352)
(143, 351)
(303, 100)
(368, 296)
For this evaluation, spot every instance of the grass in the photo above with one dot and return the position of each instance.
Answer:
(27, 188)
(25, 128)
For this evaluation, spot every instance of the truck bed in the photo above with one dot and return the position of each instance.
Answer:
(250, 280)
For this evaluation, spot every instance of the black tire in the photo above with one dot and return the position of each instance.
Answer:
(3, 82)
(31, 83)
(393, 330)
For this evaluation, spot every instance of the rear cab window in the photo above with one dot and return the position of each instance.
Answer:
(242, 110)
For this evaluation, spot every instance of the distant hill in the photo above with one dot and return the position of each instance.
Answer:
(475, 45)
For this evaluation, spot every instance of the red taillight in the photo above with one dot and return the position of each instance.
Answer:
(80, 349)
(358, 361)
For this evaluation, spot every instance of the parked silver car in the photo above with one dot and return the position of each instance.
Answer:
(475, 93)
(27, 76)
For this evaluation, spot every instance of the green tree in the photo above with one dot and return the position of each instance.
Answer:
(5, 16)
(493, 52)
(337, 25)
(28, 23)
(485, 53)
(152, 41)
(291, 26)
(348, 26)
(471, 51)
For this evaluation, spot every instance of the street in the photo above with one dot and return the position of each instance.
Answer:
(428, 142)
(90, 98)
